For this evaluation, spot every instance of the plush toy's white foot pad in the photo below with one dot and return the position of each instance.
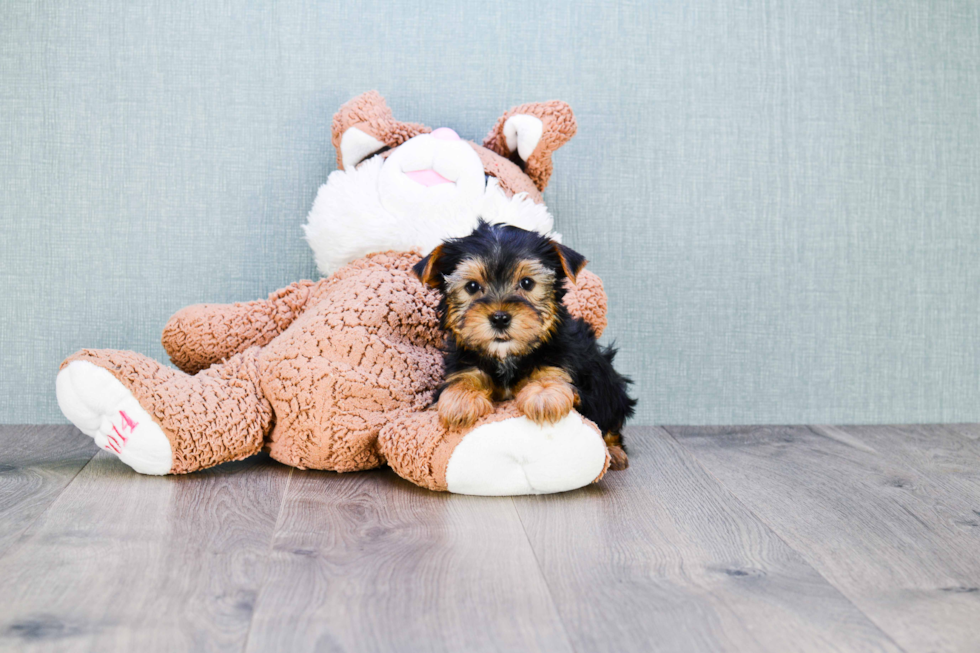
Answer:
(516, 456)
(102, 408)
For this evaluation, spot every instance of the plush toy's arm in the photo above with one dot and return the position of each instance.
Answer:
(198, 336)
(587, 299)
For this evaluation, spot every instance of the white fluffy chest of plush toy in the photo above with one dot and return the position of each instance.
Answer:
(430, 188)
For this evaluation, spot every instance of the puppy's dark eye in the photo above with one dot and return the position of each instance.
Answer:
(527, 283)
(472, 287)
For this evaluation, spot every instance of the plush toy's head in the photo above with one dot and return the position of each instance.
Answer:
(403, 186)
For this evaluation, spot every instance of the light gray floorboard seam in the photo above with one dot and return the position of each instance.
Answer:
(840, 436)
(268, 556)
(20, 538)
(544, 576)
(772, 529)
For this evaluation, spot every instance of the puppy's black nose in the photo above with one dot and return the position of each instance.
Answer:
(500, 320)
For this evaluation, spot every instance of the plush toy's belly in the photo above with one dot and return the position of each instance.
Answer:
(366, 350)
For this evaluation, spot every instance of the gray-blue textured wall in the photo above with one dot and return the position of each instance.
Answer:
(782, 197)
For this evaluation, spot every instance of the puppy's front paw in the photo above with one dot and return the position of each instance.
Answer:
(546, 402)
(617, 454)
(460, 406)
(617, 458)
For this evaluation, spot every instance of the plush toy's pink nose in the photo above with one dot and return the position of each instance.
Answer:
(445, 134)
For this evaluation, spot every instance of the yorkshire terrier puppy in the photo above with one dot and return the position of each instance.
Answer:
(509, 334)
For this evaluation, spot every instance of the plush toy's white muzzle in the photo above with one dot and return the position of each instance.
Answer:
(410, 175)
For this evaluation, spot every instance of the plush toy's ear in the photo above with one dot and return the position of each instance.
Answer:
(428, 269)
(364, 126)
(571, 261)
(528, 134)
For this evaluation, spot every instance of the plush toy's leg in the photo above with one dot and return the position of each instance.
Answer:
(161, 421)
(503, 454)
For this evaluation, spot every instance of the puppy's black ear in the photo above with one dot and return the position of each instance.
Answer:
(428, 269)
(571, 261)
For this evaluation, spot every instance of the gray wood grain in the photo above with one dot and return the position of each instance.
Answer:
(124, 562)
(662, 558)
(970, 431)
(369, 562)
(874, 510)
(36, 464)
(943, 466)
(738, 538)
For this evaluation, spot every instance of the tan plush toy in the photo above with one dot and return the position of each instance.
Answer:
(339, 374)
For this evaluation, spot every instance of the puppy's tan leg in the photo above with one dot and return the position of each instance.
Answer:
(546, 395)
(466, 398)
(614, 442)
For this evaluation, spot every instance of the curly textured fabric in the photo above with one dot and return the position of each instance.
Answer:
(369, 113)
(201, 335)
(586, 298)
(558, 126)
(417, 447)
(314, 373)
(209, 418)
(367, 348)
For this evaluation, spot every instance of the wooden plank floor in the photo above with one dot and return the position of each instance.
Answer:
(716, 539)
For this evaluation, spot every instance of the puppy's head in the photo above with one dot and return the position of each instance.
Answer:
(502, 287)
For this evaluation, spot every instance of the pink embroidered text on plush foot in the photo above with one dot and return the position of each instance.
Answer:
(105, 410)
(117, 443)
